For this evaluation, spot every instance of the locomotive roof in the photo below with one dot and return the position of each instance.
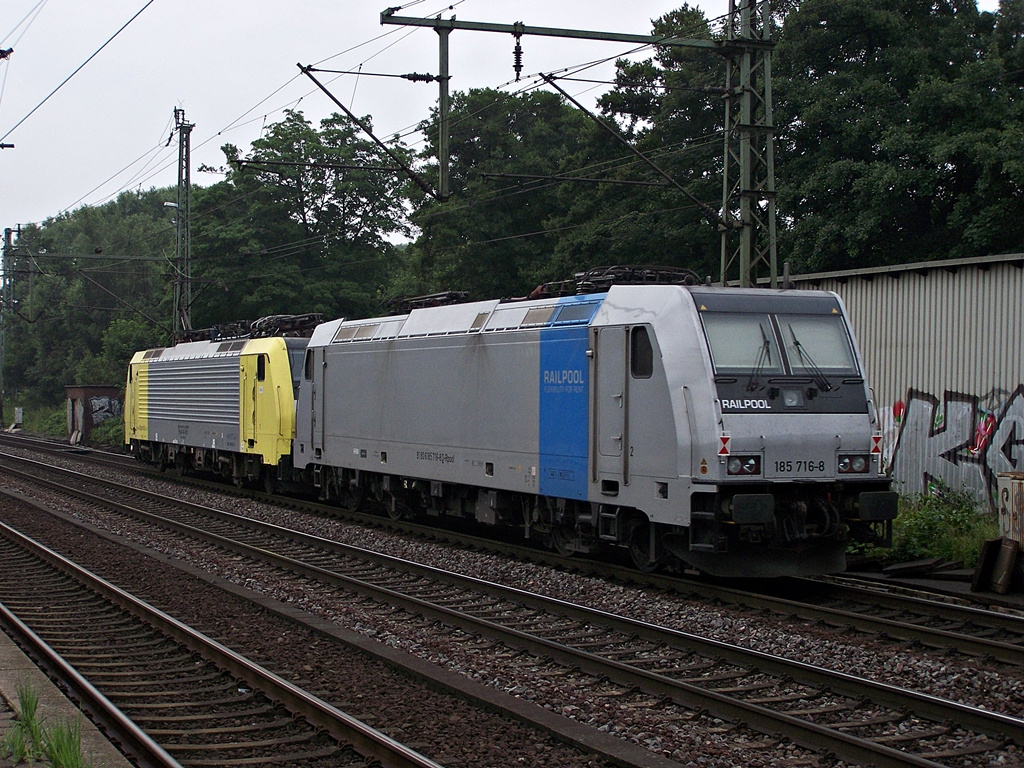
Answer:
(191, 350)
(493, 315)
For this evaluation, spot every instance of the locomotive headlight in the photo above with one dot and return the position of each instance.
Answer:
(792, 398)
(743, 465)
(854, 464)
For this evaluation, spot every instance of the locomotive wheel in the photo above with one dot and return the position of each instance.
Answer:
(396, 510)
(350, 498)
(640, 549)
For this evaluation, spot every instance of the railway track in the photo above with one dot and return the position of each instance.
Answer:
(869, 608)
(856, 719)
(174, 696)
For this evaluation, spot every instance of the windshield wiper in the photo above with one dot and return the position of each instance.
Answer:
(764, 357)
(808, 362)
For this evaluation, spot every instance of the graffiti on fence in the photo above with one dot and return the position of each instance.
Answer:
(961, 440)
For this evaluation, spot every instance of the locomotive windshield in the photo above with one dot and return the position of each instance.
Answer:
(816, 343)
(742, 343)
(749, 343)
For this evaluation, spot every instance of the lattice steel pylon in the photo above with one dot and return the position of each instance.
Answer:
(183, 227)
(748, 174)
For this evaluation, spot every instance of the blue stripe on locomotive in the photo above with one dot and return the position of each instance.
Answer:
(564, 384)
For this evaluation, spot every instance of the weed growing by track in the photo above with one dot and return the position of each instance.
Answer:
(940, 522)
(30, 741)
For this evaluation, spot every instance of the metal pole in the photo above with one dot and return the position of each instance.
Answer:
(4, 309)
(183, 228)
(748, 182)
(747, 241)
(444, 136)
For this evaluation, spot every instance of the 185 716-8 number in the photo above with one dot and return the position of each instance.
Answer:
(799, 466)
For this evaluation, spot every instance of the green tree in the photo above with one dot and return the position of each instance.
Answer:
(669, 107)
(73, 276)
(493, 237)
(503, 233)
(896, 124)
(304, 224)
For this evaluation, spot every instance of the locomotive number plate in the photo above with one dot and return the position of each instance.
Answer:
(796, 467)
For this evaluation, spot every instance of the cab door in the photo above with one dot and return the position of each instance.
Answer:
(314, 371)
(611, 406)
(253, 374)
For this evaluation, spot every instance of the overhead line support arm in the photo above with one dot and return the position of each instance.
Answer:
(419, 180)
(748, 179)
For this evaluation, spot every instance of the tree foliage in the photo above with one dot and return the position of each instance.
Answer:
(304, 224)
(900, 138)
(494, 235)
(82, 282)
(899, 132)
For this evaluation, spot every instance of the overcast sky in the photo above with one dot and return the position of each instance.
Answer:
(232, 67)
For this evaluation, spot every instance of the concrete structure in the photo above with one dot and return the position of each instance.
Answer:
(88, 407)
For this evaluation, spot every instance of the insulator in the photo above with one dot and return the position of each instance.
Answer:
(517, 59)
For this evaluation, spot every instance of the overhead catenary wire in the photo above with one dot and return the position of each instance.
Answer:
(402, 133)
(240, 120)
(140, 179)
(77, 70)
(24, 24)
(29, 17)
(578, 69)
(371, 57)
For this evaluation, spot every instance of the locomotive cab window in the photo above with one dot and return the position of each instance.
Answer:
(307, 369)
(795, 345)
(261, 368)
(741, 343)
(641, 354)
(817, 343)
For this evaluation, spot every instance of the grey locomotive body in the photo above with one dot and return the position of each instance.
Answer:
(731, 429)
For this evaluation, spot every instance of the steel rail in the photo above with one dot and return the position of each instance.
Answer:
(118, 726)
(803, 732)
(983, 647)
(1007, 652)
(875, 592)
(342, 727)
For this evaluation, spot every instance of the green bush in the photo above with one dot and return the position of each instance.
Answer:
(944, 522)
(109, 434)
(52, 422)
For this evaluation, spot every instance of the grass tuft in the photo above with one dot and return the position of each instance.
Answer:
(28, 742)
(62, 745)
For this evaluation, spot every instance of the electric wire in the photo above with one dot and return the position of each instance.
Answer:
(35, 10)
(240, 121)
(237, 122)
(24, 25)
(79, 69)
(338, 54)
(576, 68)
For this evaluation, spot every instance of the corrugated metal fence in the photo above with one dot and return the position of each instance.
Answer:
(942, 342)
